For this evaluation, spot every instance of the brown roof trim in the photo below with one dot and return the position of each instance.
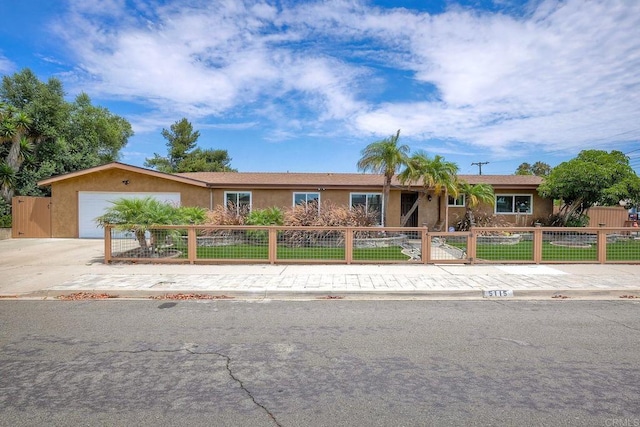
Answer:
(124, 167)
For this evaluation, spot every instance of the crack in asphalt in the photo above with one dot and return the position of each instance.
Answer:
(227, 366)
(616, 322)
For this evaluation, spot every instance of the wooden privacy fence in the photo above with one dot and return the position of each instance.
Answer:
(196, 244)
(610, 216)
(31, 217)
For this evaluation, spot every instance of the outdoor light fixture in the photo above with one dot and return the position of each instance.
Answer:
(125, 182)
(429, 197)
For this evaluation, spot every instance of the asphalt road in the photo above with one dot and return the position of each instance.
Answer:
(319, 363)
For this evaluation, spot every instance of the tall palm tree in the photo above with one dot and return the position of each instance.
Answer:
(474, 195)
(384, 157)
(435, 174)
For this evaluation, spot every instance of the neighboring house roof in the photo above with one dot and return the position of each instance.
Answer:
(123, 167)
(247, 180)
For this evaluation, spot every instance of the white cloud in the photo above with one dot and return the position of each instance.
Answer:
(6, 66)
(205, 61)
(559, 78)
(560, 75)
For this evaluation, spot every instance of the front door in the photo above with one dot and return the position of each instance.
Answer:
(406, 203)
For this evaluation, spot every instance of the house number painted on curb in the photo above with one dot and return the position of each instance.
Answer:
(498, 293)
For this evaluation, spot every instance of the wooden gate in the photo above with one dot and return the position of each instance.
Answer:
(31, 217)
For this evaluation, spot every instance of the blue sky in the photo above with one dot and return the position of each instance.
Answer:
(305, 86)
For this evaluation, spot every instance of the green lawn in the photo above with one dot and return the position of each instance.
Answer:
(316, 253)
(625, 250)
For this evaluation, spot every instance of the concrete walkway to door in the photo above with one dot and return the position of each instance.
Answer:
(45, 268)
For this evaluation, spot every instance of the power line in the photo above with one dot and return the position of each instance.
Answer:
(479, 164)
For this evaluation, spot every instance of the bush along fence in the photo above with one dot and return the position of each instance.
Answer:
(196, 244)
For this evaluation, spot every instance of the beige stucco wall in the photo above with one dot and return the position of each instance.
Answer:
(283, 198)
(542, 209)
(65, 199)
(64, 194)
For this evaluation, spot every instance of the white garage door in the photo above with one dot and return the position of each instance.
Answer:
(92, 204)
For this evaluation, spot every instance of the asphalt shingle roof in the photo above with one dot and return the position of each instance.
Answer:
(288, 179)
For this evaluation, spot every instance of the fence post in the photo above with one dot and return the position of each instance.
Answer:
(273, 244)
(107, 244)
(348, 245)
(602, 245)
(192, 245)
(471, 245)
(537, 244)
(425, 245)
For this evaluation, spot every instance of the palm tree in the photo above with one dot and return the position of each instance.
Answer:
(7, 180)
(139, 215)
(14, 126)
(474, 195)
(384, 157)
(434, 174)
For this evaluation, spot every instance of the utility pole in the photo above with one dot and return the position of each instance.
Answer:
(479, 164)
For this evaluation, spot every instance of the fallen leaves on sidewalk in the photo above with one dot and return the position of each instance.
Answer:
(560, 296)
(84, 295)
(190, 296)
(331, 297)
(629, 296)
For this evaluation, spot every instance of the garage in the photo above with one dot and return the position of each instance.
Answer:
(92, 204)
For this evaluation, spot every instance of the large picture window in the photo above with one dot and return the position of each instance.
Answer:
(371, 201)
(304, 198)
(240, 201)
(514, 204)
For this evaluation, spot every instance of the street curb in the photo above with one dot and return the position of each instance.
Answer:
(276, 294)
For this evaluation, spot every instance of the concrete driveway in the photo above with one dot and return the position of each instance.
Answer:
(28, 265)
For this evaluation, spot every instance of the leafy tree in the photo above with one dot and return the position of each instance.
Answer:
(594, 177)
(384, 157)
(96, 135)
(206, 161)
(435, 174)
(184, 156)
(43, 135)
(538, 169)
(474, 195)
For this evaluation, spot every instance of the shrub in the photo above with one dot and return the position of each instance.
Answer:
(558, 220)
(223, 215)
(5, 214)
(482, 220)
(331, 215)
(268, 216)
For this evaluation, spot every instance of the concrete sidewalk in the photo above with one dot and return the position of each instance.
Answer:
(46, 268)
